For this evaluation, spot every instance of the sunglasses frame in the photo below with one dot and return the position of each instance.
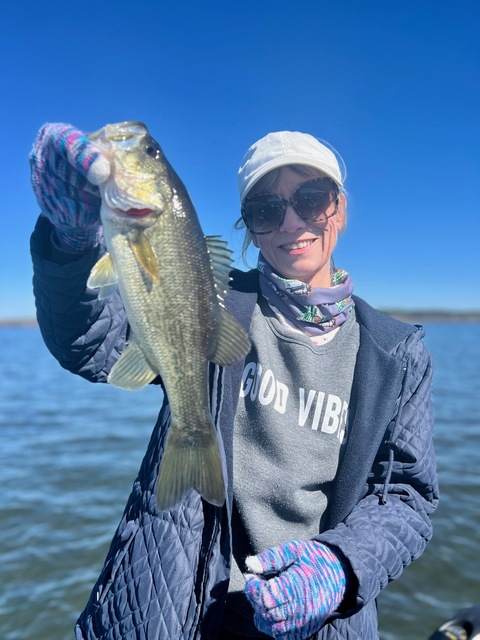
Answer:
(291, 201)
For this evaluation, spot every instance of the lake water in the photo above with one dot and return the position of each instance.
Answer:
(70, 450)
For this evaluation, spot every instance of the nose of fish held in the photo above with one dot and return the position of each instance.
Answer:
(119, 132)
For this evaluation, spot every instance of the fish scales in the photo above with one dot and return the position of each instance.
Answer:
(170, 277)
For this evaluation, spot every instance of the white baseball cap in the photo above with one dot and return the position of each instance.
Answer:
(282, 148)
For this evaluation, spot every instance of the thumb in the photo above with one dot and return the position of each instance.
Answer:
(83, 154)
(273, 560)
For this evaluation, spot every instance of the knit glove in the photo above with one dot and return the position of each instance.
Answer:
(308, 586)
(65, 171)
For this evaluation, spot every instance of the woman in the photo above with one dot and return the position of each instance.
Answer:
(328, 447)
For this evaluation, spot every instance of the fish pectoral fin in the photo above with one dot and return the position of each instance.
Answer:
(132, 370)
(144, 254)
(232, 341)
(105, 292)
(103, 276)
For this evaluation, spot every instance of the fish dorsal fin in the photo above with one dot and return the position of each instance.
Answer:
(117, 198)
(132, 370)
(232, 340)
(144, 254)
(221, 262)
(103, 276)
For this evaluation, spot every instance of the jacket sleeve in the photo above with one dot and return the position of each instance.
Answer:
(86, 335)
(390, 526)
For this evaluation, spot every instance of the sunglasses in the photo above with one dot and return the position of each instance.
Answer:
(313, 200)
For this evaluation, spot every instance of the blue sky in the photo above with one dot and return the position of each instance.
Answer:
(393, 85)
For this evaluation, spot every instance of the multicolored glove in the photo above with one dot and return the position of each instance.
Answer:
(308, 586)
(65, 171)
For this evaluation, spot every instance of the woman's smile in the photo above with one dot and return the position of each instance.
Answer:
(299, 246)
(299, 249)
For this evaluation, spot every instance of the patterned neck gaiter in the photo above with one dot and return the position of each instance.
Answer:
(315, 310)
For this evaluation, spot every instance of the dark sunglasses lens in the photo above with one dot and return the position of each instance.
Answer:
(312, 200)
(263, 214)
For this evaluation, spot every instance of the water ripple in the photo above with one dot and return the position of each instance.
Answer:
(71, 450)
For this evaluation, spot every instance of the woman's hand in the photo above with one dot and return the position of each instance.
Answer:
(65, 171)
(307, 586)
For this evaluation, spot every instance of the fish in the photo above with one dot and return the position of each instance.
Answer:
(172, 280)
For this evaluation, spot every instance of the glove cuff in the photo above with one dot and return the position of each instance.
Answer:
(77, 239)
(334, 571)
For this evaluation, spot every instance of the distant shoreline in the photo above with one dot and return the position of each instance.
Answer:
(17, 322)
(421, 316)
(412, 316)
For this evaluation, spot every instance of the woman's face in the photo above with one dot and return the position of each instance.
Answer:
(299, 249)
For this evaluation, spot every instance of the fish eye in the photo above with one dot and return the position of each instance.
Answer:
(152, 151)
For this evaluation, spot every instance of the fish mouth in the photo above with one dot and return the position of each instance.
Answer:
(135, 213)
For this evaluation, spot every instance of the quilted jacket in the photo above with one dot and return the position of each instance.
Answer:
(166, 574)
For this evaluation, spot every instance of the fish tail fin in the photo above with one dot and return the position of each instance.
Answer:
(186, 464)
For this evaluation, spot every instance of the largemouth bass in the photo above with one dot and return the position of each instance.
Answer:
(172, 281)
